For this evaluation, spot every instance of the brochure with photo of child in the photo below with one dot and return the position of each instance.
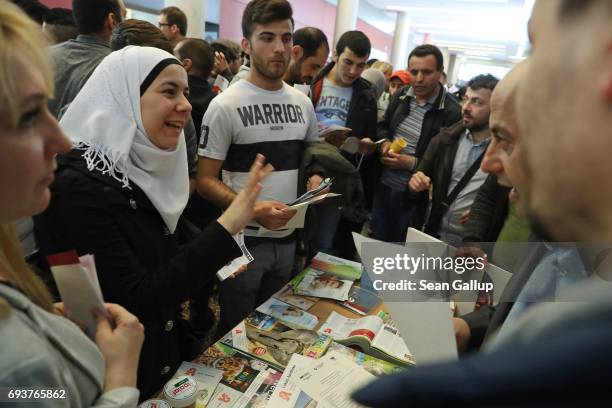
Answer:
(323, 285)
(289, 315)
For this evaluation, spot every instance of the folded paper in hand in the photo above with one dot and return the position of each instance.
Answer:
(297, 221)
(245, 259)
(77, 282)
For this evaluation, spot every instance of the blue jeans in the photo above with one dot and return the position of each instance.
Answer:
(328, 218)
(390, 215)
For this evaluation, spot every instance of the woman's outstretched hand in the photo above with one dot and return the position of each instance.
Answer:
(241, 211)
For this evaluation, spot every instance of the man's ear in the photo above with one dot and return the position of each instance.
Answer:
(174, 29)
(187, 64)
(297, 52)
(246, 45)
(335, 56)
(112, 21)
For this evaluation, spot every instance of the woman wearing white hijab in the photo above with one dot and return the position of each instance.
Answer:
(119, 195)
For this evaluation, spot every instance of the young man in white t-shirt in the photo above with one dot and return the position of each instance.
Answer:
(261, 114)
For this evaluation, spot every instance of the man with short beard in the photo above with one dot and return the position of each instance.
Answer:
(260, 114)
(452, 162)
(308, 55)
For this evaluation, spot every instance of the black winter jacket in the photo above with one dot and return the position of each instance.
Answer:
(437, 163)
(363, 109)
(361, 119)
(139, 263)
(445, 112)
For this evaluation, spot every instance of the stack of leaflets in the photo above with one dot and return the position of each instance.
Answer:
(245, 378)
(268, 339)
(207, 378)
(309, 195)
(371, 334)
(289, 315)
(327, 277)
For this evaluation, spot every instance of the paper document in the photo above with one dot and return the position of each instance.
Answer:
(287, 393)
(332, 379)
(327, 182)
(207, 378)
(297, 221)
(220, 84)
(427, 329)
(245, 259)
(78, 287)
(289, 315)
(351, 145)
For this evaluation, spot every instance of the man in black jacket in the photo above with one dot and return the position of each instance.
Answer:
(341, 97)
(197, 57)
(451, 164)
(414, 116)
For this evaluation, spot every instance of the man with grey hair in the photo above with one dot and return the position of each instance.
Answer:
(556, 354)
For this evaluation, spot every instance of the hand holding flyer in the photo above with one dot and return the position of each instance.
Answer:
(77, 282)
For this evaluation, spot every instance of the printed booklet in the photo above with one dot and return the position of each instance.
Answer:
(240, 371)
(289, 315)
(371, 334)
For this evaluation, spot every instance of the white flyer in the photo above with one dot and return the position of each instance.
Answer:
(239, 337)
(289, 315)
(245, 259)
(297, 221)
(79, 288)
(287, 393)
(207, 378)
(332, 379)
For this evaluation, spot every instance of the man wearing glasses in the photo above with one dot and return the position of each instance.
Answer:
(173, 23)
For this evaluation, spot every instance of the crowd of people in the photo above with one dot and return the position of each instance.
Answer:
(118, 141)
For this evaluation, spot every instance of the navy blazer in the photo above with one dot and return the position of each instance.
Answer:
(570, 368)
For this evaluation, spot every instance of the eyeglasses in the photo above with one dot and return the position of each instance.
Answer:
(160, 25)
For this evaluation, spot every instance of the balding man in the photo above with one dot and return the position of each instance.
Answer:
(556, 354)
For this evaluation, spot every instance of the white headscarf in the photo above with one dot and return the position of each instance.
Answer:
(104, 119)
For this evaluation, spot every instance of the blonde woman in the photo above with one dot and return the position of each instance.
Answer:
(39, 347)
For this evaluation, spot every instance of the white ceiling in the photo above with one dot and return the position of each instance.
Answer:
(485, 29)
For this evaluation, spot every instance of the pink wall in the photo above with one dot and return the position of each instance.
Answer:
(379, 39)
(315, 13)
(57, 3)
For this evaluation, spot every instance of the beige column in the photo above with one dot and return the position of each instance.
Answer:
(346, 18)
(401, 38)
